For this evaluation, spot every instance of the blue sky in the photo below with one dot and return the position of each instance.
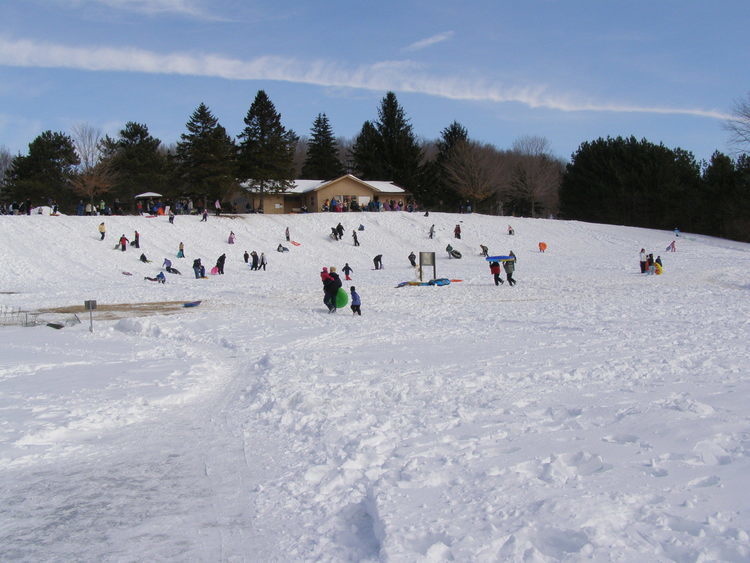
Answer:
(570, 71)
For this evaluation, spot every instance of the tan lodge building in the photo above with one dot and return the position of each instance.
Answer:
(349, 192)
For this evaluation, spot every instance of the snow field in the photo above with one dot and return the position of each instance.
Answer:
(589, 412)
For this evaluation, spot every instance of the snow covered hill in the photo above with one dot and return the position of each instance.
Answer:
(588, 413)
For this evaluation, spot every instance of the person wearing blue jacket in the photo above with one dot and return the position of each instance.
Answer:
(356, 302)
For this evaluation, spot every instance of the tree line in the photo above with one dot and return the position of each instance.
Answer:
(613, 180)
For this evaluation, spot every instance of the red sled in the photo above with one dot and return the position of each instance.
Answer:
(214, 270)
(295, 243)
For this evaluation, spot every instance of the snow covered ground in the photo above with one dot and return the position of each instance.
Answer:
(589, 413)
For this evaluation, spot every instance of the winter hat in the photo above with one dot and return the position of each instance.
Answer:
(353, 288)
(325, 269)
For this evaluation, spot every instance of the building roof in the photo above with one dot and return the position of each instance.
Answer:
(306, 186)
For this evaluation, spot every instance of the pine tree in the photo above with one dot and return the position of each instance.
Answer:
(365, 154)
(266, 149)
(204, 157)
(400, 153)
(137, 161)
(45, 172)
(322, 162)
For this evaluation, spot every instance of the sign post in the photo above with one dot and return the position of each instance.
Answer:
(427, 259)
(90, 306)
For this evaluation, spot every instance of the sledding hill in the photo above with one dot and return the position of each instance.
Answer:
(61, 259)
(589, 412)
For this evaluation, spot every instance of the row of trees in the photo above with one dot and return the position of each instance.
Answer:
(630, 182)
(613, 180)
(206, 163)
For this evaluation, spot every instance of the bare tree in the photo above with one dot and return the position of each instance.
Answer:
(739, 124)
(95, 181)
(474, 170)
(5, 161)
(87, 141)
(345, 145)
(537, 174)
(300, 153)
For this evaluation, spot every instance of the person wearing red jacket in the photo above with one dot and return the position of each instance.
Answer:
(495, 271)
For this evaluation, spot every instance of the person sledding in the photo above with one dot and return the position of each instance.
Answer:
(452, 252)
(144, 259)
(413, 259)
(160, 277)
(280, 248)
(167, 265)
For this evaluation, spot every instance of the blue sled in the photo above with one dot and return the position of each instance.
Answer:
(498, 258)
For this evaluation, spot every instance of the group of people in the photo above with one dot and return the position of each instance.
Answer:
(649, 264)
(254, 261)
(331, 285)
(509, 265)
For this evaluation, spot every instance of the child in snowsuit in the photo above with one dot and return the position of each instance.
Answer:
(160, 277)
(102, 230)
(485, 250)
(457, 231)
(220, 263)
(413, 259)
(136, 240)
(181, 251)
(144, 259)
(230, 240)
(347, 269)
(199, 269)
(262, 261)
(495, 271)
(509, 266)
(354, 236)
(123, 243)
(356, 302)
(246, 256)
(378, 261)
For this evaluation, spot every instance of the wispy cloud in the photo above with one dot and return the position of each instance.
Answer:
(192, 8)
(400, 76)
(423, 43)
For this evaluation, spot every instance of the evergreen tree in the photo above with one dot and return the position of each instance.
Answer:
(44, 173)
(266, 149)
(726, 197)
(366, 154)
(204, 157)
(630, 182)
(137, 162)
(322, 162)
(400, 154)
(438, 190)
